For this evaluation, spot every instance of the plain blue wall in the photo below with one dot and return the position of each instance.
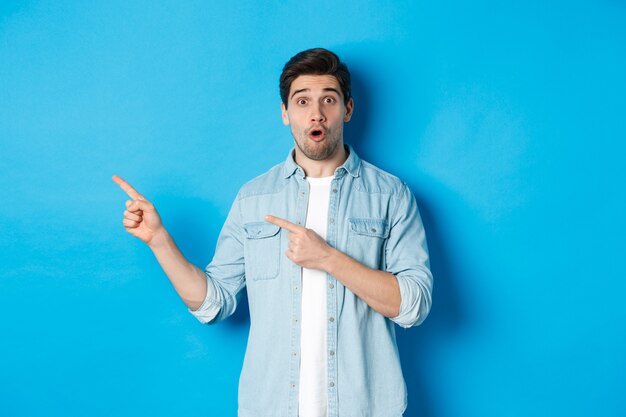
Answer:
(507, 119)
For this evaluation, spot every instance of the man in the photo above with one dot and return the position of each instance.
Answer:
(331, 251)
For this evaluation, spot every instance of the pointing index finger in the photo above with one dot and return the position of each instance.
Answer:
(127, 188)
(285, 224)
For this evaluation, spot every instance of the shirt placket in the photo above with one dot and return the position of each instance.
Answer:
(331, 303)
(296, 306)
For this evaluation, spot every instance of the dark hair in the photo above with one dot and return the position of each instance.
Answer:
(316, 61)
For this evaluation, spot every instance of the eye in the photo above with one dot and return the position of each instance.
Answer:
(329, 100)
(301, 101)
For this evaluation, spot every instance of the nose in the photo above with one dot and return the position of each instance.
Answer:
(317, 115)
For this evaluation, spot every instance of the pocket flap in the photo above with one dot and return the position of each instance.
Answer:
(260, 230)
(370, 227)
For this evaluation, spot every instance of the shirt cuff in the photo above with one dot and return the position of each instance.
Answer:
(210, 308)
(411, 300)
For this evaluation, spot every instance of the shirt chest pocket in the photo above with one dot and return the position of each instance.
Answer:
(366, 241)
(262, 250)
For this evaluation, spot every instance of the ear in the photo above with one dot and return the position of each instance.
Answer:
(349, 109)
(285, 115)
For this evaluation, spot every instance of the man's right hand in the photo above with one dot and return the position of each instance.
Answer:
(140, 217)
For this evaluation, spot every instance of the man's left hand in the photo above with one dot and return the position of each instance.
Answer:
(306, 248)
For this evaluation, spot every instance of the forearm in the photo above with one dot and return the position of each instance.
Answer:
(379, 289)
(188, 280)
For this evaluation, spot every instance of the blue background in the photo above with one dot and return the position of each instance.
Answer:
(507, 119)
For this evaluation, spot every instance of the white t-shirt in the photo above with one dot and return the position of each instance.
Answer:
(313, 374)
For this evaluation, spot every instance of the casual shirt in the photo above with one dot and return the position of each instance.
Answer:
(372, 217)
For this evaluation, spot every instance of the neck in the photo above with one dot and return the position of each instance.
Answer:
(324, 168)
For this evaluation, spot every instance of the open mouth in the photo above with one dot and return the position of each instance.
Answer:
(316, 134)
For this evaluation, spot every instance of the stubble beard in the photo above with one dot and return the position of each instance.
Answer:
(318, 151)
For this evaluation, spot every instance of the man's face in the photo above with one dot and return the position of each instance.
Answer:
(316, 114)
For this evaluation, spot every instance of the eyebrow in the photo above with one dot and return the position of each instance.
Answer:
(324, 89)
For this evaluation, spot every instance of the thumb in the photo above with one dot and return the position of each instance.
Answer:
(143, 205)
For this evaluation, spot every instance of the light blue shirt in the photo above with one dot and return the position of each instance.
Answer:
(373, 217)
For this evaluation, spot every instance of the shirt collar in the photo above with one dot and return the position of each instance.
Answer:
(352, 165)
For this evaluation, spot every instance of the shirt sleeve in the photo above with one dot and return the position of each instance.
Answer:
(407, 258)
(225, 274)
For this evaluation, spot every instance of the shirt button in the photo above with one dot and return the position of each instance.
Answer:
(331, 285)
(295, 288)
(331, 221)
(293, 385)
(331, 319)
(332, 384)
(334, 190)
(373, 230)
(332, 353)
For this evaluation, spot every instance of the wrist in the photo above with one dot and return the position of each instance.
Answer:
(160, 239)
(333, 261)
